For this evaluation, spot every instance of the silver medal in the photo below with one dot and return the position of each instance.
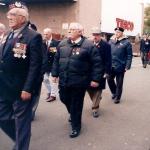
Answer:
(24, 56)
(15, 55)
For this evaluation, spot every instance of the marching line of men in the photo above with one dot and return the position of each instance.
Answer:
(77, 64)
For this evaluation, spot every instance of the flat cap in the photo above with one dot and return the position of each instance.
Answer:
(96, 30)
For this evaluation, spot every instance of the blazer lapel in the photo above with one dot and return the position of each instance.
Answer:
(3, 46)
(17, 39)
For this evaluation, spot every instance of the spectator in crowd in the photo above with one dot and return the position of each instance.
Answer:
(144, 49)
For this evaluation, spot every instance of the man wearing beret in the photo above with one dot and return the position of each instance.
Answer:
(121, 51)
(105, 53)
(20, 67)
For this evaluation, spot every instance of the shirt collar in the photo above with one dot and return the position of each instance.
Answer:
(49, 41)
(17, 31)
(76, 41)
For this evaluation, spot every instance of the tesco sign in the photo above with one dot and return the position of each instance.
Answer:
(128, 25)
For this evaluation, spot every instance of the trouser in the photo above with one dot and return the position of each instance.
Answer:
(144, 58)
(73, 98)
(96, 96)
(50, 86)
(15, 121)
(36, 99)
(116, 86)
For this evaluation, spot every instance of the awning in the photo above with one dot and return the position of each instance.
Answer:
(38, 1)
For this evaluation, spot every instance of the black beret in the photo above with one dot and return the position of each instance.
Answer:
(33, 26)
(119, 29)
(18, 5)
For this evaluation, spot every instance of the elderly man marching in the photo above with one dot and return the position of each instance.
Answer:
(20, 66)
(77, 63)
(121, 51)
(105, 53)
(50, 45)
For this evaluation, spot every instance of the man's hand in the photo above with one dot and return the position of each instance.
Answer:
(94, 84)
(25, 96)
(54, 79)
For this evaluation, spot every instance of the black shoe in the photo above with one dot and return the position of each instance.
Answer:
(95, 114)
(113, 96)
(74, 133)
(117, 101)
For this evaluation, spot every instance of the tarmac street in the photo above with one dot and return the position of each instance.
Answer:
(124, 126)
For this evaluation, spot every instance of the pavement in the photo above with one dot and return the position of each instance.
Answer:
(125, 126)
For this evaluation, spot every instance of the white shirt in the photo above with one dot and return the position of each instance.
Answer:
(76, 41)
(49, 42)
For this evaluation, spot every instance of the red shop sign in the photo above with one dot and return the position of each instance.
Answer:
(128, 25)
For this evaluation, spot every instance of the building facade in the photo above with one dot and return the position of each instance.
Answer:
(59, 13)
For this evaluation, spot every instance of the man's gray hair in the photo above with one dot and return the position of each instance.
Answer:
(20, 11)
(49, 30)
(76, 26)
(2, 27)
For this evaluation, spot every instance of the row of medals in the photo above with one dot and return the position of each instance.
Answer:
(18, 51)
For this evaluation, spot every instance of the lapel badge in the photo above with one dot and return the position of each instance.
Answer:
(77, 51)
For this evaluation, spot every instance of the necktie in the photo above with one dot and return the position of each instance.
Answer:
(11, 35)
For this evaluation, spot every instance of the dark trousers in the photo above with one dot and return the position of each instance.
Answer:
(15, 121)
(115, 83)
(73, 98)
(35, 100)
(144, 58)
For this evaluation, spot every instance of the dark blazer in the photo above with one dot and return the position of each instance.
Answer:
(50, 52)
(21, 74)
(77, 64)
(145, 45)
(105, 53)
